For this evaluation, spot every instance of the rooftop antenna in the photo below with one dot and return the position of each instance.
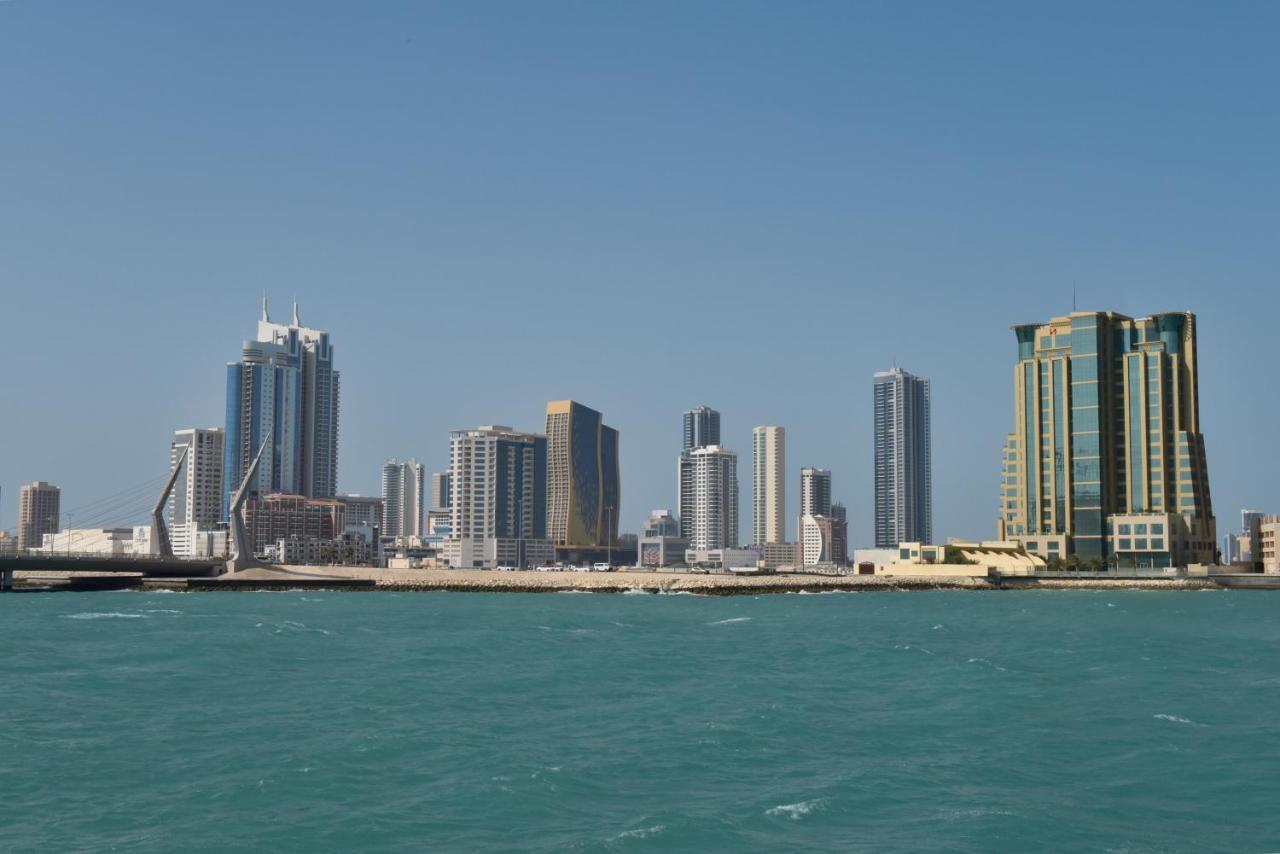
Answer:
(1073, 296)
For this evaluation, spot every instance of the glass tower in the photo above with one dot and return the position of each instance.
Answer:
(583, 476)
(1107, 423)
(701, 428)
(903, 459)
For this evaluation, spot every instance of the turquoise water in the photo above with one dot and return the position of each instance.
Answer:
(1013, 721)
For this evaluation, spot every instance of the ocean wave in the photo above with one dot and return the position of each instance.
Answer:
(636, 591)
(1178, 720)
(796, 811)
(986, 662)
(639, 833)
(682, 593)
(162, 611)
(730, 620)
(105, 615)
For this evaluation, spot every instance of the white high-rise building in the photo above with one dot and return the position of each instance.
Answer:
(498, 515)
(769, 488)
(903, 476)
(403, 494)
(197, 494)
(708, 484)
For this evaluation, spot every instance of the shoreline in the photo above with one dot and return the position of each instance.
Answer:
(489, 581)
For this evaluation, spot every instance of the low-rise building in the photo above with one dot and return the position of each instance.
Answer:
(720, 558)
(271, 518)
(962, 557)
(108, 542)
(1268, 537)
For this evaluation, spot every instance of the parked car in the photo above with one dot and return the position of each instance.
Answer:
(602, 567)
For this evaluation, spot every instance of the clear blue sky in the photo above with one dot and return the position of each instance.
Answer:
(643, 206)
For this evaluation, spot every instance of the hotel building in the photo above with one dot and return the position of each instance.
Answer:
(498, 515)
(1107, 460)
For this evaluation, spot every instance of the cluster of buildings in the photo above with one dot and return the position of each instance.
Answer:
(1105, 467)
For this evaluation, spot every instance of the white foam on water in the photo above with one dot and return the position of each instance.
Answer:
(1178, 720)
(639, 833)
(796, 811)
(106, 615)
(986, 662)
(730, 620)
(636, 591)
(681, 593)
(161, 611)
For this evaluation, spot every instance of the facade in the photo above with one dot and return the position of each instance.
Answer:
(701, 428)
(720, 558)
(269, 518)
(1268, 535)
(498, 514)
(583, 477)
(815, 492)
(39, 513)
(779, 555)
(823, 540)
(190, 540)
(403, 496)
(708, 497)
(661, 524)
(440, 491)
(1249, 543)
(660, 544)
(364, 510)
(1107, 424)
(769, 487)
(283, 391)
(903, 459)
(107, 542)
(197, 494)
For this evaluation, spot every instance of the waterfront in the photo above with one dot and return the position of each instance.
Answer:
(1059, 720)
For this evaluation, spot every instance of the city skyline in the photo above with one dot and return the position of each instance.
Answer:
(802, 165)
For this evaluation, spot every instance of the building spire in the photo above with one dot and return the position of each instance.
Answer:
(265, 318)
(296, 321)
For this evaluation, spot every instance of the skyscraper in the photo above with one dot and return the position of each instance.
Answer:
(903, 459)
(583, 477)
(197, 494)
(769, 488)
(499, 517)
(708, 483)
(1106, 458)
(403, 491)
(39, 513)
(284, 389)
(815, 492)
(701, 428)
(440, 496)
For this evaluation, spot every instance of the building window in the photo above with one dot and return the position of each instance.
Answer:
(1140, 544)
(1157, 545)
(1140, 529)
(1124, 529)
(1125, 544)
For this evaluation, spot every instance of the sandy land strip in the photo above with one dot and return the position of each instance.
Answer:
(473, 580)
(490, 581)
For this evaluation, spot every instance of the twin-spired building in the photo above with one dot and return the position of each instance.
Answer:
(1107, 459)
(284, 391)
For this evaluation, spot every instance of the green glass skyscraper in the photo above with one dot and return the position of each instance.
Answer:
(1106, 459)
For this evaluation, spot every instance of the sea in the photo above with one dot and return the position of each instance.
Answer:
(1019, 721)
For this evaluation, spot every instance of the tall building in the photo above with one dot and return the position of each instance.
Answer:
(403, 491)
(39, 512)
(903, 473)
(583, 477)
(661, 524)
(815, 492)
(499, 512)
(440, 491)
(197, 494)
(284, 389)
(708, 482)
(701, 428)
(769, 487)
(1107, 459)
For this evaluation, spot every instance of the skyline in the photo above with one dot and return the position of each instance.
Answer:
(842, 190)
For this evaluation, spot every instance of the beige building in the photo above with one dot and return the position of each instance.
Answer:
(39, 511)
(769, 487)
(1268, 534)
